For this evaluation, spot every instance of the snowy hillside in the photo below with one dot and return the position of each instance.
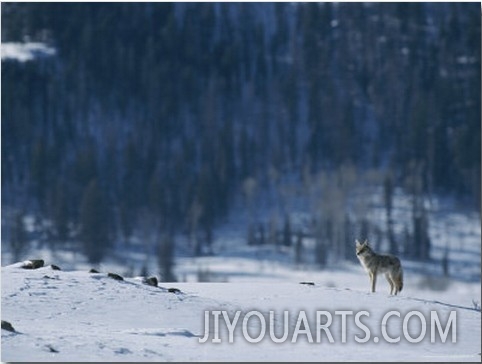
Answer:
(234, 152)
(82, 316)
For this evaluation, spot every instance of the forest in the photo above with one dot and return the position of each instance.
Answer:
(152, 119)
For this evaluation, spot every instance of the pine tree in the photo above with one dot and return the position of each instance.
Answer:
(18, 240)
(166, 258)
(61, 214)
(94, 223)
(287, 232)
(298, 258)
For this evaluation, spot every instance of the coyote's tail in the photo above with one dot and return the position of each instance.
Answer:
(399, 280)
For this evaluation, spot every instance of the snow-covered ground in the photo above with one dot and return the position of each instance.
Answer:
(24, 52)
(72, 315)
(79, 316)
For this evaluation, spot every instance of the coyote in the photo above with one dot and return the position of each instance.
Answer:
(376, 264)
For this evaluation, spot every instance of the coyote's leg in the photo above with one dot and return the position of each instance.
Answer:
(373, 278)
(395, 287)
(392, 284)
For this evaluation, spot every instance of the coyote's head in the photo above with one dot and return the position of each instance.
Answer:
(362, 249)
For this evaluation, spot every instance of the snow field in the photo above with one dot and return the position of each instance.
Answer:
(78, 316)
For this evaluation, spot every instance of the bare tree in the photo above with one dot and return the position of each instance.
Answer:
(388, 190)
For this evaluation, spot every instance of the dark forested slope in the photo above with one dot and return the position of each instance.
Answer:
(165, 109)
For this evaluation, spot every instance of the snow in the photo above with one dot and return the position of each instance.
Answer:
(79, 316)
(24, 52)
(71, 315)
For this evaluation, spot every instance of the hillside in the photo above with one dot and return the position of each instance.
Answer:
(81, 316)
(158, 118)
(233, 151)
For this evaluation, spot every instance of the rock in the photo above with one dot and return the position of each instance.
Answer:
(115, 276)
(33, 264)
(51, 349)
(308, 283)
(151, 281)
(174, 290)
(55, 267)
(93, 271)
(7, 326)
